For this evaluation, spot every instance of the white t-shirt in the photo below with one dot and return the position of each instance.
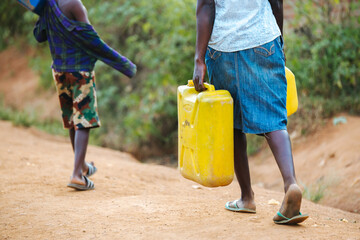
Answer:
(242, 24)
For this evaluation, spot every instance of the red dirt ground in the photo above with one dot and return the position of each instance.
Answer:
(146, 201)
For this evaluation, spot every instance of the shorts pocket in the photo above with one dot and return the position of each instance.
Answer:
(213, 54)
(266, 50)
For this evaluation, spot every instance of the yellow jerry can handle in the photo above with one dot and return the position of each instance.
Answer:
(209, 86)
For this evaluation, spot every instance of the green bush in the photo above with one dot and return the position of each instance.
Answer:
(139, 115)
(11, 22)
(323, 51)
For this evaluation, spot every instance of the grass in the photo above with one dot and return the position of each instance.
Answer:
(24, 119)
(316, 191)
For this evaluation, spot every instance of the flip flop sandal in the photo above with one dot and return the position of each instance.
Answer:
(89, 185)
(232, 206)
(291, 221)
(91, 170)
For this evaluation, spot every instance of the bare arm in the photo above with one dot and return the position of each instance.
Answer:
(278, 11)
(79, 12)
(205, 16)
(75, 10)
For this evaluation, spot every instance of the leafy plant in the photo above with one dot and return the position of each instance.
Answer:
(139, 115)
(324, 49)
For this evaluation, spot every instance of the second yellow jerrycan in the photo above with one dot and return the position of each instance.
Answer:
(291, 99)
(206, 147)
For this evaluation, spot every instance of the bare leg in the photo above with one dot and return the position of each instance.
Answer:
(280, 145)
(242, 171)
(80, 145)
(85, 167)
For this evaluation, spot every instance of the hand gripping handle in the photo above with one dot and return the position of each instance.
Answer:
(209, 86)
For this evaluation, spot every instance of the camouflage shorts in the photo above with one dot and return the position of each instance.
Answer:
(77, 94)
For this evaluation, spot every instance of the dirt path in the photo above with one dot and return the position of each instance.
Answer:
(327, 165)
(132, 200)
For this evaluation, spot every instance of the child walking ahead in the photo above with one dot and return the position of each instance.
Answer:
(75, 47)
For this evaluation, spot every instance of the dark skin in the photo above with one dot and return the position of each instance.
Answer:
(75, 10)
(79, 142)
(279, 141)
(278, 11)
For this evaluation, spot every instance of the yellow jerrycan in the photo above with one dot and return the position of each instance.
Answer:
(205, 124)
(291, 99)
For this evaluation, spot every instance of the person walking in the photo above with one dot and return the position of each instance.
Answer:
(239, 44)
(75, 47)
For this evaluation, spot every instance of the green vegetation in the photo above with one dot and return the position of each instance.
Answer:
(318, 189)
(140, 115)
(12, 22)
(27, 119)
(315, 192)
(324, 52)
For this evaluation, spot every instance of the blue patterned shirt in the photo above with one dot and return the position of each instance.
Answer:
(76, 46)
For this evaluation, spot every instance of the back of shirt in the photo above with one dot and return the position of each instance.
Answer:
(242, 24)
(76, 46)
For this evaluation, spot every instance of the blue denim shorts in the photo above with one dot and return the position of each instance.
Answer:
(256, 81)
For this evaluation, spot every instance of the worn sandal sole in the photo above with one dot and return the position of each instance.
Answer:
(291, 221)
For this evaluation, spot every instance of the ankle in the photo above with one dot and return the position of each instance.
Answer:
(77, 175)
(247, 197)
(287, 186)
(85, 167)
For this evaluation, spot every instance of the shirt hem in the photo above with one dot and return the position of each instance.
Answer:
(73, 69)
(215, 47)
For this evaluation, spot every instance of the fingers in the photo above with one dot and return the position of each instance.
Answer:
(198, 77)
(199, 84)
